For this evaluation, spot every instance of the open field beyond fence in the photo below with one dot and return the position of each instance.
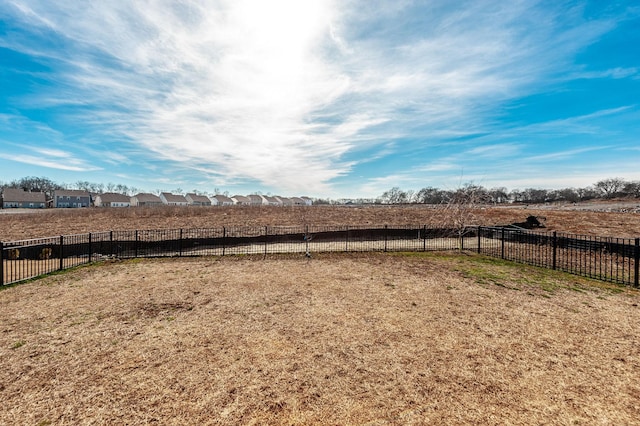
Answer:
(51, 222)
(366, 338)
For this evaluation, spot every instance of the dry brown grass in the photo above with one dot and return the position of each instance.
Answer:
(337, 339)
(55, 222)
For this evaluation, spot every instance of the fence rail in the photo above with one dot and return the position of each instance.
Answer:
(608, 259)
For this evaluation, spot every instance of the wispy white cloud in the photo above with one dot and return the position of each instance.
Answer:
(53, 162)
(494, 151)
(564, 154)
(282, 92)
(615, 73)
(586, 124)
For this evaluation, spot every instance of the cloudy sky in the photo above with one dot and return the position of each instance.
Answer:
(343, 98)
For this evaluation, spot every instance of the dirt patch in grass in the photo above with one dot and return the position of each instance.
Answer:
(335, 339)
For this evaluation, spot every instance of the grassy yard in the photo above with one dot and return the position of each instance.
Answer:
(336, 339)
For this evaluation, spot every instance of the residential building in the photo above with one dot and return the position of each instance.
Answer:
(173, 199)
(71, 198)
(17, 198)
(198, 200)
(241, 200)
(145, 199)
(221, 200)
(272, 201)
(110, 199)
(257, 200)
(285, 201)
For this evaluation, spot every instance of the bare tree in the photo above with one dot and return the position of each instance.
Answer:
(535, 195)
(394, 196)
(460, 209)
(609, 188)
(588, 193)
(565, 194)
(431, 195)
(36, 184)
(410, 196)
(121, 189)
(516, 196)
(498, 195)
(632, 189)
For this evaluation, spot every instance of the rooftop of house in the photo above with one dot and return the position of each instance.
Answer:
(174, 198)
(20, 196)
(71, 193)
(199, 198)
(147, 198)
(112, 197)
(241, 198)
(223, 198)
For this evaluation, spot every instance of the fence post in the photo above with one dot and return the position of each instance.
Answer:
(2, 263)
(90, 248)
(386, 232)
(61, 252)
(636, 278)
(502, 244)
(266, 240)
(306, 240)
(180, 244)
(136, 245)
(478, 239)
(110, 243)
(424, 237)
(224, 239)
(555, 249)
(346, 240)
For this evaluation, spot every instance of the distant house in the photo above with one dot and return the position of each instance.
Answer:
(198, 200)
(17, 198)
(257, 200)
(307, 201)
(71, 198)
(145, 199)
(285, 201)
(112, 200)
(221, 200)
(272, 201)
(173, 199)
(241, 200)
(297, 201)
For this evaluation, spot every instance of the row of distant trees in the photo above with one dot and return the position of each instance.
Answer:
(604, 189)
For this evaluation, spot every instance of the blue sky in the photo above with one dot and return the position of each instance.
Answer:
(321, 98)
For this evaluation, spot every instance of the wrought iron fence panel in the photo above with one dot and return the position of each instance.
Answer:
(22, 260)
(609, 259)
(603, 258)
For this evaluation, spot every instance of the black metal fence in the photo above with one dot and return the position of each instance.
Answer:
(603, 258)
(609, 259)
